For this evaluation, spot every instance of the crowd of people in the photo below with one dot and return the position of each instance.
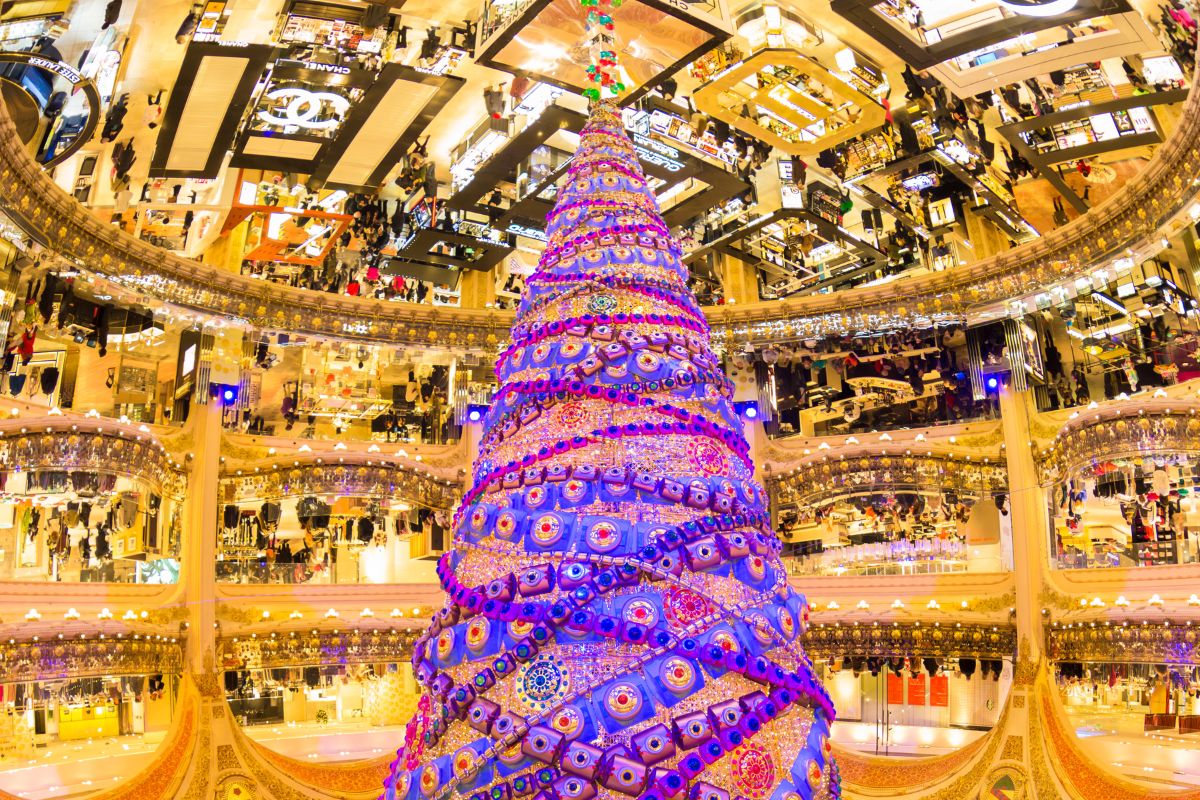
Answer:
(360, 262)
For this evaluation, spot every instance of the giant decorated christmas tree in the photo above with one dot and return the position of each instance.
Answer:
(618, 621)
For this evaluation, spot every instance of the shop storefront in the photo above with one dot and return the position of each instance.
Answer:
(1128, 512)
(38, 714)
(915, 706)
(324, 540)
(342, 697)
(87, 527)
(23, 24)
(331, 524)
(303, 101)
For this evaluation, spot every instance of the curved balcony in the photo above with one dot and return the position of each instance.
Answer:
(1118, 486)
(893, 503)
(317, 648)
(1158, 643)
(53, 217)
(354, 475)
(1122, 429)
(1130, 219)
(90, 446)
(817, 482)
(73, 462)
(911, 640)
(299, 527)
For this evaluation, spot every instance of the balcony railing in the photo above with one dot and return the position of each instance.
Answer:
(1127, 220)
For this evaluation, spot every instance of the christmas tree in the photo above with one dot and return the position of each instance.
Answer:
(618, 620)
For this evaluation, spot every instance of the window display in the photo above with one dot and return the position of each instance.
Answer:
(120, 708)
(334, 33)
(90, 528)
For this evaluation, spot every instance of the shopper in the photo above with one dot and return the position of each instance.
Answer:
(1060, 213)
(112, 12)
(114, 120)
(154, 111)
(188, 26)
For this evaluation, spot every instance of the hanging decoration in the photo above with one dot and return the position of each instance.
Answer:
(601, 44)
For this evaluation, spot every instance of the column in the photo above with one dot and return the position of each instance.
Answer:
(477, 288)
(986, 239)
(739, 279)
(200, 534)
(1027, 510)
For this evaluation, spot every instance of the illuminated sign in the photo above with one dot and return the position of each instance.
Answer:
(477, 230)
(57, 68)
(528, 233)
(653, 152)
(215, 38)
(316, 66)
(304, 109)
(327, 68)
(1038, 8)
(920, 182)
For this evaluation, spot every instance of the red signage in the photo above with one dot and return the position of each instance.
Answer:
(895, 689)
(916, 690)
(939, 691)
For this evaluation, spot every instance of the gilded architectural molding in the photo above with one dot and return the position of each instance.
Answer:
(164, 778)
(1064, 758)
(373, 478)
(1162, 643)
(900, 640)
(1128, 431)
(1130, 217)
(817, 481)
(53, 445)
(316, 648)
(908, 775)
(53, 659)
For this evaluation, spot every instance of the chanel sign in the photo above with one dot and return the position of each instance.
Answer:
(303, 108)
(1038, 8)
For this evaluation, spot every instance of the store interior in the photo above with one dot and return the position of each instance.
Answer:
(318, 330)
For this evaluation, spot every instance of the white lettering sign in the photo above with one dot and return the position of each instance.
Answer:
(57, 68)
(651, 157)
(528, 233)
(334, 68)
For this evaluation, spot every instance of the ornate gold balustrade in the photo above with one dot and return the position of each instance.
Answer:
(53, 659)
(1128, 219)
(899, 640)
(1158, 642)
(91, 447)
(312, 648)
(817, 481)
(354, 476)
(1132, 429)
(316, 648)
(53, 217)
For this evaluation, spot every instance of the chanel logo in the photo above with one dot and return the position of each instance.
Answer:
(302, 108)
(1038, 8)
